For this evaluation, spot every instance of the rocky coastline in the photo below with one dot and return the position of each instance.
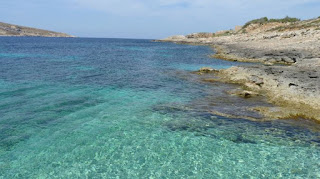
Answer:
(286, 57)
(20, 31)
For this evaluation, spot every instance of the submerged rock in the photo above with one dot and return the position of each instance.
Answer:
(244, 93)
(211, 80)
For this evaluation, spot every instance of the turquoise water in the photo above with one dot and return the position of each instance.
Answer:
(111, 108)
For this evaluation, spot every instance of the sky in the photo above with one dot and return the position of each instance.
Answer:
(147, 19)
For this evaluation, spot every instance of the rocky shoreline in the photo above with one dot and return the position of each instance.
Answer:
(20, 31)
(286, 69)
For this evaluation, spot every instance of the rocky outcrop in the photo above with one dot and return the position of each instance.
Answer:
(15, 30)
(175, 38)
(200, 35)
(295, 89)
(207, 70)
(295, 86)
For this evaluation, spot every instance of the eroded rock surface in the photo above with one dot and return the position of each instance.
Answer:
(295, 85)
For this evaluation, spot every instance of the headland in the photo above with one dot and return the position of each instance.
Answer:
(286, 56)
(20, 31)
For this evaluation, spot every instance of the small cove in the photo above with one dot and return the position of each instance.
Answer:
(133, 109)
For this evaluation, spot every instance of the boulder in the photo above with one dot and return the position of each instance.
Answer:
(206, 70)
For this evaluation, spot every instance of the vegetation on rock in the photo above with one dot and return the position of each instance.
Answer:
(265, 20)
(16, 30)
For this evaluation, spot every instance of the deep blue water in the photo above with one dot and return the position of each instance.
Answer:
(116, 108)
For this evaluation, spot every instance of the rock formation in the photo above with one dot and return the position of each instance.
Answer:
(16, 30)
(294, 86)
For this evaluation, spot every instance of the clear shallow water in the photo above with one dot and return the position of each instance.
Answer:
(129, 109)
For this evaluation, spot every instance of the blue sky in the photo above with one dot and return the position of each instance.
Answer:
(147, 18)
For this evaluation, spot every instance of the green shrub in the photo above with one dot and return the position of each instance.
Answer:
(285, 20)
(265, 20)
(256, 21)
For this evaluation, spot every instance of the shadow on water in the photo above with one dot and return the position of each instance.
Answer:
(277, 132)
(196, 116)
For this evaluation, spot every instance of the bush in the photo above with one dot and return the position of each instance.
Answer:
(265, 20)
(256, 21)
(285, 20)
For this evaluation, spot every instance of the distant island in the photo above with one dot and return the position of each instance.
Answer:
(16, 30)
(287, 56)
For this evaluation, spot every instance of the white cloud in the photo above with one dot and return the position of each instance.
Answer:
(168, 17)
(147, 7)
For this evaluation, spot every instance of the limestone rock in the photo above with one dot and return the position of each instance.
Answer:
(244, 93)
(206, 70)
(15, 30)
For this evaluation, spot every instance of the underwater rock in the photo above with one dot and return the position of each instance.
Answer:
(243, 93)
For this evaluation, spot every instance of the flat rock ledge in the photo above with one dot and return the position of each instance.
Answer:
(286, 59)
(297, 94)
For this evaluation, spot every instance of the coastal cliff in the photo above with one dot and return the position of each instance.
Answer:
(286, 53)
(16, 30)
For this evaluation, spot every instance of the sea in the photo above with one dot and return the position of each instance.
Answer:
(127, 108)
